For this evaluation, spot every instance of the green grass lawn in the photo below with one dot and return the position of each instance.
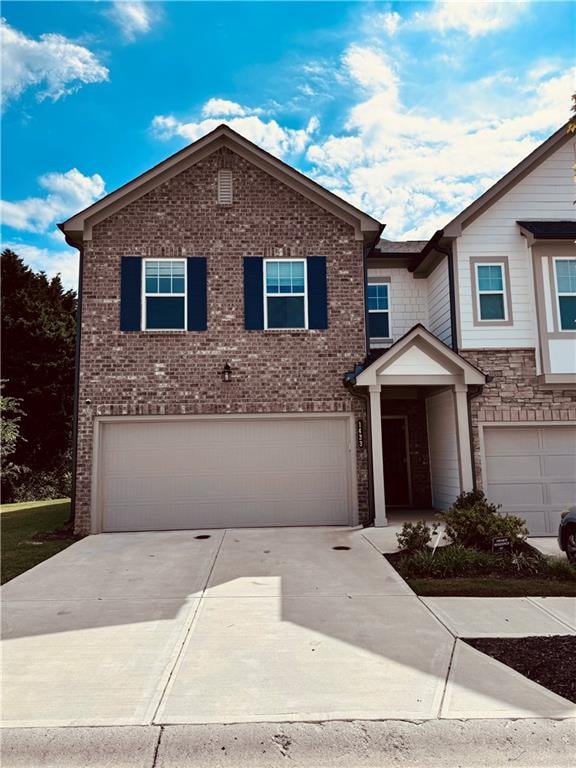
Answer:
(487, 587)
(19, 525)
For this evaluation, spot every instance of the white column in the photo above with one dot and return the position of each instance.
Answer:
(377, 457)
(463, 435)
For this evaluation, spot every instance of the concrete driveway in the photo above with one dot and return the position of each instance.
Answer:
(228, 626)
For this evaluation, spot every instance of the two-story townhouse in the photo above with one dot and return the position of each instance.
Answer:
(497, 284)
(226, 301)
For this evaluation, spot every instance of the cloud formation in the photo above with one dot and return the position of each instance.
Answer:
(68, 193)
(267, 133)
(63, 263)
(53, 63)
(133, 17)
(474, 19)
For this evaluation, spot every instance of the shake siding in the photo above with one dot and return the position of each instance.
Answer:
(546, 193)
(439, 302)
(408, 299)
(443, 446)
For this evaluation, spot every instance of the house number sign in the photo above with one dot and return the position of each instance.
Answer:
(360, 433)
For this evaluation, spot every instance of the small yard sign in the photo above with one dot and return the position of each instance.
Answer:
(501, 545)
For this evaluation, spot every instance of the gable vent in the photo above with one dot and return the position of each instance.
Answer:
(224, 187)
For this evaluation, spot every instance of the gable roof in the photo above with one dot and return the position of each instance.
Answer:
(79, 227)
(454, 228)
(414, 350)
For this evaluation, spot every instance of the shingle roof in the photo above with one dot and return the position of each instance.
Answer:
(550, 229)
(399, 247)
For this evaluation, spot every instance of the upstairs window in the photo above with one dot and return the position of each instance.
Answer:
(491, 292)
(164, 295)
(566, 293)
(378, 310)
(285, 300)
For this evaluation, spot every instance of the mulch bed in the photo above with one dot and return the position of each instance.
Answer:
(549, 661)
(61, 534)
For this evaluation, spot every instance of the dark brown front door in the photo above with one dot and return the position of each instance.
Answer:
(396, 480)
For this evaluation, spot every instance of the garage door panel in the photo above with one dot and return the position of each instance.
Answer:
(531, 472)
(225, 473)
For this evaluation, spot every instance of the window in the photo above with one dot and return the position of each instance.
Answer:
(566, 293)
(490, 290)
(285, 304)
(378, 310)
(164, 305)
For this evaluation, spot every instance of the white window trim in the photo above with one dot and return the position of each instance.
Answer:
(277, 295)
(165, 295)
(563, 293)
(502, 292)
(381, 312)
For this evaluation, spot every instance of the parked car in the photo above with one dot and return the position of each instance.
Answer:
(567, 534)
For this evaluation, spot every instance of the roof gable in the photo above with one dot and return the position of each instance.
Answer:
(419, 353)
(79, 227)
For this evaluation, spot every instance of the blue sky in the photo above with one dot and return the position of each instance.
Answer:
(409, 110)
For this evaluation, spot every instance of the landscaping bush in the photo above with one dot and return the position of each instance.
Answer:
(448, 562)
(472, 521)
(415, 537)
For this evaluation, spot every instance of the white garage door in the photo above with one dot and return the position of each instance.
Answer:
(531, 471)
(213, 473)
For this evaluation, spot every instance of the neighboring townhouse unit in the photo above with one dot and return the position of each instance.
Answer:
(251, 353)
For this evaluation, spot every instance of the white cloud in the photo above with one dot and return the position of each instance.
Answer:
(55, 63)
(133, 17)
(268, 134)
(475, 19)
(416, 168)
(68, 193)
(63, 263)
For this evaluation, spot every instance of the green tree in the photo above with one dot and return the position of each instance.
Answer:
(38, 352)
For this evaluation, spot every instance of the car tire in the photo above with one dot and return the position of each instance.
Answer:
(570, 544)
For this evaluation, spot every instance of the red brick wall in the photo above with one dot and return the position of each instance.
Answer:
(178, 372)
(514, 394)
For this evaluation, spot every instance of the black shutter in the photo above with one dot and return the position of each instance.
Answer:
(197, 293)
(253, 293)
(317, 292)
(130, 293)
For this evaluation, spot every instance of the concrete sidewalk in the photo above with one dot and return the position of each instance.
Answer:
(357, 744)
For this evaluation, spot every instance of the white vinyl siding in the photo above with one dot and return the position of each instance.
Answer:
(443, 447)
(439, 302)
(408, 297)
(546, 193)
(220, 472)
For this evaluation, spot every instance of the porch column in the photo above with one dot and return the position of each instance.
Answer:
(377, 457)
(463, 435)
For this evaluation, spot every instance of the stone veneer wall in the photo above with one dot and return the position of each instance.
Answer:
(514, 394)
(174, 373)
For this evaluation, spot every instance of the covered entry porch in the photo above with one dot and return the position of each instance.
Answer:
(419, 424)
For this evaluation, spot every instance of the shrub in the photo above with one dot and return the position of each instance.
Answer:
(472, 521)
(415, 537)
(448, 562)
(38, 486)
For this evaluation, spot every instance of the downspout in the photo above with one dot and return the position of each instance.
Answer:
(472, 393)
(72, 517)
(452, 293)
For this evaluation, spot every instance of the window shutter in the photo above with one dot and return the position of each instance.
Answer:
(130, 293)
(197, 293)
(317, 292)
(253, 293)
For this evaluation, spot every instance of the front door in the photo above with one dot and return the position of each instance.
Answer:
(396, 479)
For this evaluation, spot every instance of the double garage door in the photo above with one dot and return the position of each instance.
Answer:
(531, 471)
(223, 472)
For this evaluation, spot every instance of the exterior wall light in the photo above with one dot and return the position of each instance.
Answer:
(227, 373)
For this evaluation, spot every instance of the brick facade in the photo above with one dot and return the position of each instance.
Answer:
(170, 373)
(514, 394)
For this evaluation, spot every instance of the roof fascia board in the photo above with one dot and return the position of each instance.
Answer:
(520, 171)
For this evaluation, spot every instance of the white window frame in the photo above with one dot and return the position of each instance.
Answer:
(285, 295)
(503, 292)
(380, 311)
(561, 293)
(164, 295)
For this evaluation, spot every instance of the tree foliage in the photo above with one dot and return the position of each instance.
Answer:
(38, 353)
